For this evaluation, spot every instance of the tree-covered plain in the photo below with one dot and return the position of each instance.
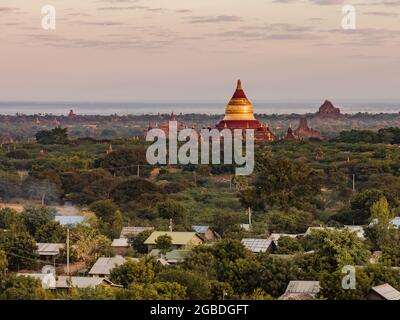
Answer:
(347, 180)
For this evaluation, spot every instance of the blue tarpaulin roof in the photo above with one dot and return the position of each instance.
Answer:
(200, 229)
(69, 220)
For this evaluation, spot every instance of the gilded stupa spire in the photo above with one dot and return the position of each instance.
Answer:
(239, 85)
(239, 107)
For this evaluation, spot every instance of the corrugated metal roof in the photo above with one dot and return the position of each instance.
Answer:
(257, 245)
(306, 287)
(49, 249)
(178, 238)
(133, 231)
(122, 242)
(103, 265)
(387, 292)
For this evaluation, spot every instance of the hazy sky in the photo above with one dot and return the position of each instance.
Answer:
(168, 50)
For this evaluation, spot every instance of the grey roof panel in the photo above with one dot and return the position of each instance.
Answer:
(257, 245)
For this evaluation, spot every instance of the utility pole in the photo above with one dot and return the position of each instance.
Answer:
(138, 170)
(170, 225)
(354, 182)
(249, 213)
(68, 273)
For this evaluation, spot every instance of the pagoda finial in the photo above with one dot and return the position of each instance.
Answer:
(239, 84)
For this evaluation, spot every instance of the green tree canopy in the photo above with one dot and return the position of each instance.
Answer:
(36, 217)
(51, 232)
(171, 209)
(164, 242)
(20, 249)
(57, 135)
(334, 249)
(137, 241)
(154, 291)
(141, 271)
(282, 183)
(22, 288)
(104, 209)
(197, 287)
(332, 289)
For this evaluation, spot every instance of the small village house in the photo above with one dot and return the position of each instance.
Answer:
(301, 290)
(207, 233)
(383, 292)
(120, 246)
(133, 231)
(103, 266)
(259, 245)
(49, 251)
(179, 240)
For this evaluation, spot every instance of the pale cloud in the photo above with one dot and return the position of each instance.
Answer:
(213, 19)
(327, 2)
(133, 49)
(277, 31)
(183, 11)
(385, 3)
(366, 36)
(8, 9)
(382, 14)
(119, 1)
(114, 8)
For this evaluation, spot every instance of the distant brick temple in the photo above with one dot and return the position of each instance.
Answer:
(239, 115)
(289, 136)
(71, 113)
(304, 131)
(328, 110)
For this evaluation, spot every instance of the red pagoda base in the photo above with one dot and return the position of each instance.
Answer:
(239, 124)
(261, 131)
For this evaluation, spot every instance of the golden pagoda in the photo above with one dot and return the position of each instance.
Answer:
(239, 114)
(239, 107)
